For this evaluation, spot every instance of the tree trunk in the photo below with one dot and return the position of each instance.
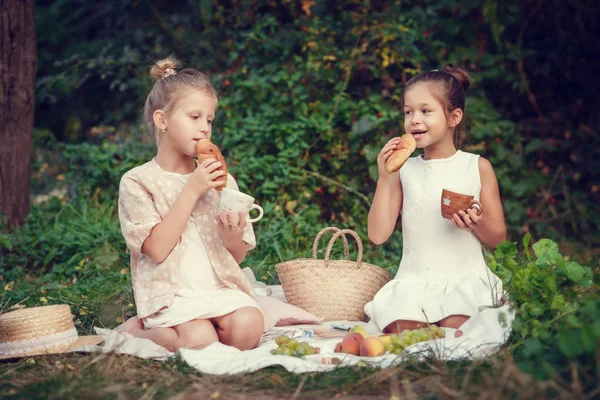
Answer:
(18, 63)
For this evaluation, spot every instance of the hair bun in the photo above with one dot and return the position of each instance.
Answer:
(161, 66)
(460, 74)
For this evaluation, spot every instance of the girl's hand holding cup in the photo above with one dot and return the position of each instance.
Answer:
(462, 209)
(466, 220)
(232, 226)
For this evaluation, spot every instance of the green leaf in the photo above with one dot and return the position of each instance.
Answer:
(574, 271)
(511, 264)
(532, 348)
(589, 338)
(362, 126)
(537, 309)
(492, 264)
(521, 279)
(519, 326)
(5, 242)
(550, 282)
(558, 303)
(569, 342)
(546, 252)
(504, 274)
(506, 249)
(596, 328)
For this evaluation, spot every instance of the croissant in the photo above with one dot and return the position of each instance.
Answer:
(405, 148)
(207, 149)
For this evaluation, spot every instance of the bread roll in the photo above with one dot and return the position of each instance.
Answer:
(207, 149)
(404, 149)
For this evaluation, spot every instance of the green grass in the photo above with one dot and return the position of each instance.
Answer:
(74, 254)
(71, 251)
(107, 376)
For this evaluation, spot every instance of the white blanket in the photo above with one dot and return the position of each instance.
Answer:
(484, 334)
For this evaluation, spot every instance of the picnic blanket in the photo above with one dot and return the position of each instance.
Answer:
(483, 335)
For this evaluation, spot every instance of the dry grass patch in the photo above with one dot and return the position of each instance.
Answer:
(111, 376)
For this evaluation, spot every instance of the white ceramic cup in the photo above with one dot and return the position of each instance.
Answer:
(232, 200)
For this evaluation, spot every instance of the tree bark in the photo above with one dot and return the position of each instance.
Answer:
(18, 63)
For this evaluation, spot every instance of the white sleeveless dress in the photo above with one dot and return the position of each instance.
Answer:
(442, 271)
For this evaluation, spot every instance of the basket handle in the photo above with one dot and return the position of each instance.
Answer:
(342, 233)
(320, 235)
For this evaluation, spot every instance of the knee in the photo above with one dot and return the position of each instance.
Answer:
(197, 336)
(133, 325)
(247, 327)
(248, 319)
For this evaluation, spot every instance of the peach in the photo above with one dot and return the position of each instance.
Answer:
(351, 343)
(372, 347)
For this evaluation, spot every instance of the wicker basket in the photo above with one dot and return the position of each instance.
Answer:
(332, 289)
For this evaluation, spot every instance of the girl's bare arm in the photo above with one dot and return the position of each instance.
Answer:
(387, 201)
(491, 229)
(385, 209)
(167, 233)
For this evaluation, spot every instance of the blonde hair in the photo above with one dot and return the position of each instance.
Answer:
(169, 87)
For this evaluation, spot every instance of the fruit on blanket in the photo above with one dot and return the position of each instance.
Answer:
(291, 347)
(282, 340)
(207, 149)
(385, 339)
(397, 343)
(361, 330)
(351, 343)
(372, 347)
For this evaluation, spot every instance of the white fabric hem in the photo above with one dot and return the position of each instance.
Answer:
(168, 318)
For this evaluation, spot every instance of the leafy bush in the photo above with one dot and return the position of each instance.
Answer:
(308, 96)
(311, 91)
(556, 303)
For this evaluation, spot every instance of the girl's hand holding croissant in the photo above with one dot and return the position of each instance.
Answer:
(383, 156)
(205, 177)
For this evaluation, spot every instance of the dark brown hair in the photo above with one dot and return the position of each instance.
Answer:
(450, 86)
(170, 86)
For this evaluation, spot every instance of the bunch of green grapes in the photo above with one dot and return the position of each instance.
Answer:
(291, 347)
(398, 343)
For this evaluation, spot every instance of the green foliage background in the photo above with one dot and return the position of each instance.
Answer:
(309, 93)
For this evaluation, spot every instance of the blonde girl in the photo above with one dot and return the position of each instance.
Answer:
(188, 287)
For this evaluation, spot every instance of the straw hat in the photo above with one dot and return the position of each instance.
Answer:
(40, 330)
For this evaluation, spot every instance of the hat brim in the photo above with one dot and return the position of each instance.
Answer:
(79, 344)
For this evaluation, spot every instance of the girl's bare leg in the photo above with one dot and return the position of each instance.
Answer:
(454, 321)
(242, 328)
(403, 325)
(165, 337)
(194, 334)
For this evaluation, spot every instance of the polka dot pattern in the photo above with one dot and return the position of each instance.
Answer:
(146, 194)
